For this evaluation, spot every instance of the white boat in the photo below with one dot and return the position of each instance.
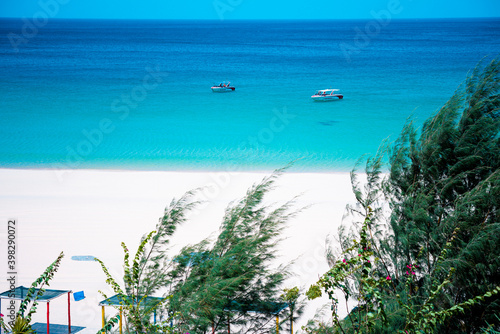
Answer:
(223, 87)
(327, 95)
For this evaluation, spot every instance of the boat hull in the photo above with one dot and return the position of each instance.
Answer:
(326, 98)
(217, 89)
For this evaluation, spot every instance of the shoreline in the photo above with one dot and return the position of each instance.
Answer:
(294, 169)
(92, 211)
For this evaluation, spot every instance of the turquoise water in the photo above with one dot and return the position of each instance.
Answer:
(136, 94)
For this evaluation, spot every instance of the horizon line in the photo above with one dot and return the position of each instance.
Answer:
(257, 19)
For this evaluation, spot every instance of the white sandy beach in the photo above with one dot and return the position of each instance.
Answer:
(90, 212)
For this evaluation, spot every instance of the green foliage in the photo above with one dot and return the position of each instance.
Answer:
(149, 270)
(109, 324)
(44, 279)
(21, 326)
(136, 308)
(209, 276)
(374, 292)
(441, 245)
(448, 181)
(425, 317)
(205, 280)
(290, 296)
(357, 265)
(22, 322)
(490, 329)
(295, 305)
(318, 327)
(155, 264)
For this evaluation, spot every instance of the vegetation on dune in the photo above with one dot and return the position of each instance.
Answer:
(148, 273)
(439, 247)
(209, 278)
(421, 255)
(446, 184)
(22, 323)
(137, 308)
(213, 282)
(424, 258)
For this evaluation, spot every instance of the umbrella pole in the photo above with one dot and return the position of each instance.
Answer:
(48, 322)
(102, 312)
(69, 313)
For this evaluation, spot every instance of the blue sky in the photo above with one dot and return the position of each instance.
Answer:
(248, 9)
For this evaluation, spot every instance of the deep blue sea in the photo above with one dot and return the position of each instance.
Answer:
(136, 94)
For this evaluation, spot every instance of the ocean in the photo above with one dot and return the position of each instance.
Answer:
(132, 94)
(135, 95)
